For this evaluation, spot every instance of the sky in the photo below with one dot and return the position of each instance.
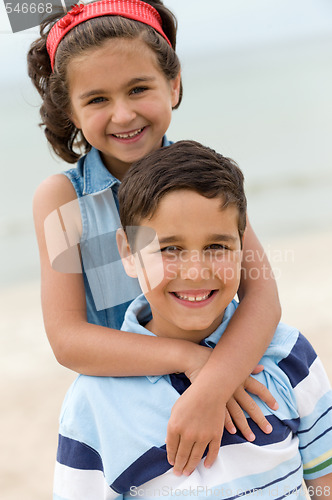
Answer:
(219, 24)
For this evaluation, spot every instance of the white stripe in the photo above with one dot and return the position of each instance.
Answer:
(310, 390)
(76, 484)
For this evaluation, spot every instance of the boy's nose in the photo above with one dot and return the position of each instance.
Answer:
(194, 268)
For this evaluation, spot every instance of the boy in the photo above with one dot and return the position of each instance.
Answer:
(182, 237)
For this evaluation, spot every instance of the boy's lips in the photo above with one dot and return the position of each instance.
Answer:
(194, 297)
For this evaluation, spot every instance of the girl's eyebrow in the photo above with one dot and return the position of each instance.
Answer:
(141, 79)
(91, 93)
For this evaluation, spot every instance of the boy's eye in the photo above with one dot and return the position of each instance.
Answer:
(169, 249)
(217, 246)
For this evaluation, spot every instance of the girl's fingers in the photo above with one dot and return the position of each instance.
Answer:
(239, 419)
(255, 387)
(182, 455)
(247, 403)
(172, 444)
(214, 447)
(229, 424)
(195, 457)
(258, 369)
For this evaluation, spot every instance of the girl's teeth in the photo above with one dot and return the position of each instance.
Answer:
(128, 136)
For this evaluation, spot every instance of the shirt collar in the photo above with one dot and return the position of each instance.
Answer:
(96, 176)
(139, 313)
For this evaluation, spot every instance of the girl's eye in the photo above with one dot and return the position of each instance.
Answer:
(97, 100)
(138, 90)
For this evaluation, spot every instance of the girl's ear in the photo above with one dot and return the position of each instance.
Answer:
(72, 117)
(126, 255)
(175, 89)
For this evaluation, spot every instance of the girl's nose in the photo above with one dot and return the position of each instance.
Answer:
(122, 113)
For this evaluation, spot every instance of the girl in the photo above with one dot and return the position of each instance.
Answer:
(109, 78)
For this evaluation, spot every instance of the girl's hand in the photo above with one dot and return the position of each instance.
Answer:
(198, 418)
(242, 401)
(197, 421)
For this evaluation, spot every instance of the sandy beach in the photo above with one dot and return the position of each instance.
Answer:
(33, 384)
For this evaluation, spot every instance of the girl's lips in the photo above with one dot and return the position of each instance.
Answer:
(194, 298)
(130, 136)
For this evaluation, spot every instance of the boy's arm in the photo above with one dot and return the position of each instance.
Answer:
(87, 348)
(198, 416)
(320, 488)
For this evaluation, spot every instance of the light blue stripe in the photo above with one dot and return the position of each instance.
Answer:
(282, 479)
(318, 418)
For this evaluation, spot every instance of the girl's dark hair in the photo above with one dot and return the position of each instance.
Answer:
(183, 165)
(66, 140)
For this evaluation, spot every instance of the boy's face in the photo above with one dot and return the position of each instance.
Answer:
(191, 271)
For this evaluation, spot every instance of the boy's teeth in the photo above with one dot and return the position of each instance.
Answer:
(192, 298)
(128, 136)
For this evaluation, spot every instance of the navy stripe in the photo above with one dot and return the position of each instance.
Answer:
(318, 419)
(316, 439)
(151, 464)
(281, 430)
(78, 455)
(180, 382)
(297, 364)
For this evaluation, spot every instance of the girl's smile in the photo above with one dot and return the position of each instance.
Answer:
(121, 100)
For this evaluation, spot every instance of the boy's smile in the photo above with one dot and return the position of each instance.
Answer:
(121, 100)
(191, 272)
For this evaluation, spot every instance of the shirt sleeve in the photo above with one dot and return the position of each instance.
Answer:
(79, 473)
(313, 395)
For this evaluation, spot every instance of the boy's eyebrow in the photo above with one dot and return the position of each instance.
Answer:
(223, 237)
(133, 81)
(211, 237)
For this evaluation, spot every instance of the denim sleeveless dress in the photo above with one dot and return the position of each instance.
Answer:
(108, 289)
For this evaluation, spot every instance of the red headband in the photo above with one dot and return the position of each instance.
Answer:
(131, 9)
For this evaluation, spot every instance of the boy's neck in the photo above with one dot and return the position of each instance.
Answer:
(166, 328)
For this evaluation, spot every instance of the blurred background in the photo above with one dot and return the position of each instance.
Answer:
(257, 87)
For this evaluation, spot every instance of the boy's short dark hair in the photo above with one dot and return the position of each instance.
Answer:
(183, 165)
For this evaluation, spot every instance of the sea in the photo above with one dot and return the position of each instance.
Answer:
(269, 107)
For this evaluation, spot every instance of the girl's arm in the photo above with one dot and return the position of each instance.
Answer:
(84, 347)
(197, 415)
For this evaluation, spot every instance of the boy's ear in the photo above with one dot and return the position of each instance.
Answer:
(126, 255)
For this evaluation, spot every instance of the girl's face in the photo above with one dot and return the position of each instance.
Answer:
(121, 100)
